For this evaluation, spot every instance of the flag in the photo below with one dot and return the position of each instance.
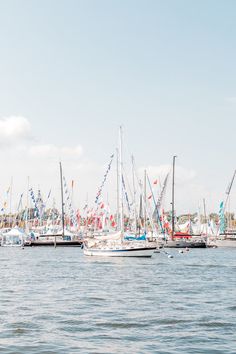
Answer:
(155, 182)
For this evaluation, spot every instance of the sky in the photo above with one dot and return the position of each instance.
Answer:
(73, 71)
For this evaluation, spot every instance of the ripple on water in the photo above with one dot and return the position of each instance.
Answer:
(58, 301)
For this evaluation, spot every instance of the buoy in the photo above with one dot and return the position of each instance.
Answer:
(170, 256)
(187, 249)
(181, 251)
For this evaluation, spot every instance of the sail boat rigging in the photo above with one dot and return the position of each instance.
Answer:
(115, 245)
(52, 238)
(226, 237)
(180, 239)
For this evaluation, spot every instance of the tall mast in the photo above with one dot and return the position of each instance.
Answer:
(117, 191)
(134, 196)
(120, 180)
(205, 215)
(27, 204)
(62, 203)
(173, 199)
(145, 199)
(140, 208)
(229, 190)
(10, 204)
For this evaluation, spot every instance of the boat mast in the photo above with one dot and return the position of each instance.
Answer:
(145, 200)
(134, 196)
(227, 201)
(120, 180)
(173, 199)
(205, 215)
(229, 190)
(62, 203)
(117, 191)
(27, 205)
(10, 204)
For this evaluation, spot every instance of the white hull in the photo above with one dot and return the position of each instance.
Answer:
(11, 245)
(225, 243)
(122, 252)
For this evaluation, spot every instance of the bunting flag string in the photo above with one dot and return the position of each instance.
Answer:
(40, 204)
(222, 218)
(36, 210)
(20, 202)
(104, 180)
(72, 213)
(5, 202)
(49, 194)
(125, 193)
(160, 199)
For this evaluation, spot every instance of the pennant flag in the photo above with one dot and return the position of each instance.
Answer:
(104, 180)
(222, 218)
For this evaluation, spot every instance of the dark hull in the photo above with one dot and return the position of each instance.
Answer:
(189, 245)
(52, 244)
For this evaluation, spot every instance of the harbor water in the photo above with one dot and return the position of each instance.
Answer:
(59, 301)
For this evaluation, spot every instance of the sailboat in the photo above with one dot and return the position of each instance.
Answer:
(115, 245)
(58, 238)
(181, 239)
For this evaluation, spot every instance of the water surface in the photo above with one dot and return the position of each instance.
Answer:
(59, 301)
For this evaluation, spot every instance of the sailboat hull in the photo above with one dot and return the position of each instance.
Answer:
(122, 252)
(225, 243)
(49, 243)
(184, 244)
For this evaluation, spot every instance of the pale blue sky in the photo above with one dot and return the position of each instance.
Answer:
(164, 69)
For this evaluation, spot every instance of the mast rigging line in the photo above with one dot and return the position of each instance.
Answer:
(155, 204)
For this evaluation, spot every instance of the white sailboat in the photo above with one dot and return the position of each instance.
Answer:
(115, 245)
